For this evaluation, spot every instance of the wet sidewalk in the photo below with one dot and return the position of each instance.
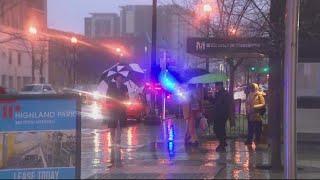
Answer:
(149, 152)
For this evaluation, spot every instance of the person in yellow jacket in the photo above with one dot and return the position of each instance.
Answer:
(255, 103)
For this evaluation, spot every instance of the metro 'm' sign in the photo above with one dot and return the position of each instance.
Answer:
(208, 46)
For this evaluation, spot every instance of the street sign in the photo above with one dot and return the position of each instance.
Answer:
(40, 137)
(213, 46)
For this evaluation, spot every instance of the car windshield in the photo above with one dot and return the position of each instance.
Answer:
(31, 88)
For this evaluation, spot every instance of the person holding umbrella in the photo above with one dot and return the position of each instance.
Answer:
(118, 92)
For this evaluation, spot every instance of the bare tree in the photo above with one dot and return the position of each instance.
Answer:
(229, 19)
(252, 18)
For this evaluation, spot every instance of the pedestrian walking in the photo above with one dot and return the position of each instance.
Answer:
(221, 112)
(191, 111)
(255, 107)
(118, 92)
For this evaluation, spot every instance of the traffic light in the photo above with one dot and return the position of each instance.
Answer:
(265, 70)
(253, 68)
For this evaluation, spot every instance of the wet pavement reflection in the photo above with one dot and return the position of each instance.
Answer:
(159, 152)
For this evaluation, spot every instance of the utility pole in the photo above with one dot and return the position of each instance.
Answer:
(290, 65)
(207, 10)
(152, 116)
(154, 40)
(163, 69)
(208, 35)
(153, 52)
(74, 67)
(74, 42)
(33, 64)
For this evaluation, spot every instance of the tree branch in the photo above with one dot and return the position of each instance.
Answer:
(228, 21)
(239, 62)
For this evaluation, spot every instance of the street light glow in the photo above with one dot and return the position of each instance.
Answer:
(74, 40)
(33, 30)
(265, 69)
(207, 8)
(233, 31)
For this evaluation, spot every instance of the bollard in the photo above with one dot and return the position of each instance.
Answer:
(5, 150)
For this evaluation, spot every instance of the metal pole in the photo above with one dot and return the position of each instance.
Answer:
(208, 35)
(290, 61)
(33, 61)
(154, 35)
(74, 66)
(163, 69)
(153, 52)
(4, 150)
(164, 106)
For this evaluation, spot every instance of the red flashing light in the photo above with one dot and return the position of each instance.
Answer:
(153, 87)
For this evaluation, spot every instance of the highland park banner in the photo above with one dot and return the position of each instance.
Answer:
(39, 137)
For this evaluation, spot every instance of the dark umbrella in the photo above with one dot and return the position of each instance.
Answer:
(109, 74)
(132, 72)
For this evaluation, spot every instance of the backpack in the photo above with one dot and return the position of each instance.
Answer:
(263, 110)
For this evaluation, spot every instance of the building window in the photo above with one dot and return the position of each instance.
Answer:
(10, 82)
(2, 10)
(88, 26)
(107, 27)
(4, 80)
(10, 57)
(102, 27)
(26, 80)
(19, 83)
(37, 4)
(19, 58)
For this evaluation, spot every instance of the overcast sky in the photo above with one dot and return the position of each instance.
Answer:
(68, 15)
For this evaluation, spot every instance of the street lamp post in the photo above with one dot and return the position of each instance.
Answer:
(74, 42)
(290, 64)
(207, 10)
(119, 53)
(33, 32)
(152, 116)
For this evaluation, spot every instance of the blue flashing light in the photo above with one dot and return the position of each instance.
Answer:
(168, 81)
(182, 95)
(171, 134)
(171, 149)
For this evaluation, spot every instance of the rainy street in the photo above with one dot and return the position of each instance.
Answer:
(158, 152)
(159, 89)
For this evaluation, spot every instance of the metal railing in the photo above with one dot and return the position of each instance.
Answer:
(240, 128)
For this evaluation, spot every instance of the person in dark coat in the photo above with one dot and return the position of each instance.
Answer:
(118, 92)
(221, 112)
